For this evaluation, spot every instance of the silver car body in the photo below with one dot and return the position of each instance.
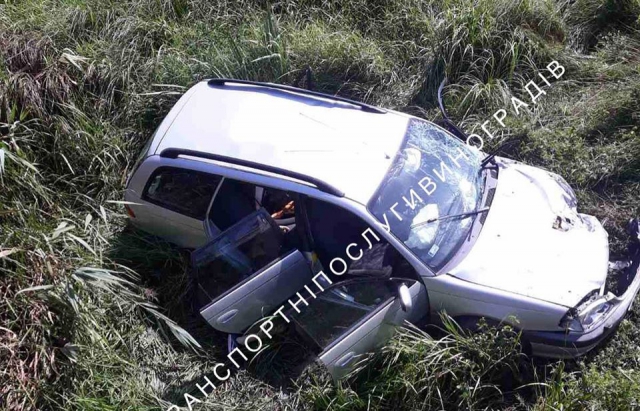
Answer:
(532, 260)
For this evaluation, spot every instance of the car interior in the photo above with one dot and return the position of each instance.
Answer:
(272, 224)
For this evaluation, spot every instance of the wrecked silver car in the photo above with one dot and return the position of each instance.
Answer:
(273, 185)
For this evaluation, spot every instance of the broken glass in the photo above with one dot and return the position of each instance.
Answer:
(434, 174)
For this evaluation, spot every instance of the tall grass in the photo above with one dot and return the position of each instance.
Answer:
(459, 370)
(84, 83)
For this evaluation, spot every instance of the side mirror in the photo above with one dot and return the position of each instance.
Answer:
(405, 298)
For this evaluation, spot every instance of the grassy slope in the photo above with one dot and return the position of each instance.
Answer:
(83, 83)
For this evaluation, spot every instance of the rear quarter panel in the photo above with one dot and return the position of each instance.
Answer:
(174, 227)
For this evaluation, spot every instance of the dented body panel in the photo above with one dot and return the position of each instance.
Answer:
(534, 243)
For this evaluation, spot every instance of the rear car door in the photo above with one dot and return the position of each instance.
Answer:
(247, 272)
(353, 318)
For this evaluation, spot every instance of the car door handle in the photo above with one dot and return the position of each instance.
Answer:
(227, 316)
(346, 359)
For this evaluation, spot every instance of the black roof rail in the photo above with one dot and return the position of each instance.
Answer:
(320, 185)
(363, 106)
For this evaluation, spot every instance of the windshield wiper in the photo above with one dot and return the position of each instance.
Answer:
(490, 157)
(447, 217)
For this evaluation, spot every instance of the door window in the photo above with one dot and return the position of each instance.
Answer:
(234, 255)
(184, 191)
(236, 199)
(246, 272)
(341, 307)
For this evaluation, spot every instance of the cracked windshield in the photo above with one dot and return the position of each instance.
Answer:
(434, 175)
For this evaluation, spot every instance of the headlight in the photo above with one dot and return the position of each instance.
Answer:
(588, 314)
(595, 313)
(571, 322)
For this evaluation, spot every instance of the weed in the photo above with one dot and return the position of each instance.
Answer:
(83, 84)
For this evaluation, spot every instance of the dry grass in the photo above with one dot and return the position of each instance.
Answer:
(84, 83)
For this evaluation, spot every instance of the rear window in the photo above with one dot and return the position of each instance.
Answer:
(186, 192)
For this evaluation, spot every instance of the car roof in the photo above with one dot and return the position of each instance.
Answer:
(333, 141)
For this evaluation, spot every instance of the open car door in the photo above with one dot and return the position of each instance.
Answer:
(353, 318)
(247, 272)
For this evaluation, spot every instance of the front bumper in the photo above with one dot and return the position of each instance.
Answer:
(573, 344)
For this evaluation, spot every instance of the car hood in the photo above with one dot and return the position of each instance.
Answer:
(534, 242)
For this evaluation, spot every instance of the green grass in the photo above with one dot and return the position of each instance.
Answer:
(83, 84)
